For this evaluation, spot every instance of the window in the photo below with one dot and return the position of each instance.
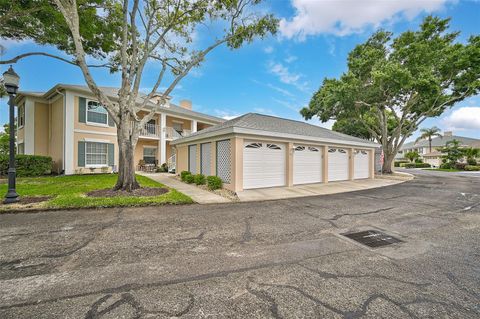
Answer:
(151, 126)
(96, 154)
(299, 148)
(312, 149)
(332, 150)
(342, 151)
(21, 148)
(21, 116)
(96, 113)
(254, 145)
(149, 155)
(273, 147)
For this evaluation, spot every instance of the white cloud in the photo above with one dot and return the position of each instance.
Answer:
(286, 76)
(287, 105)
(226, 115)
(344, 17)
(291, 58)
(465, 118)
(278, 89)
(268, 49)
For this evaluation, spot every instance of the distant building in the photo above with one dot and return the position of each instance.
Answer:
(434, 157)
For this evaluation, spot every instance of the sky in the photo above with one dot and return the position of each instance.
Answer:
(278, 75)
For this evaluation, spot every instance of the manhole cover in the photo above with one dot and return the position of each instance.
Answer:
(373, 238)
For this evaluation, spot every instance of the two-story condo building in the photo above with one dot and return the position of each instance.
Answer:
(68, 124)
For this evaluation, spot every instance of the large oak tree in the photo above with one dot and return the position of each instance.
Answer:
(393, 84)
(125, 35)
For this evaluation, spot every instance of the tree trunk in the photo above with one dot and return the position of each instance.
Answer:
(388, 159)
(126, 166)
(429, 144)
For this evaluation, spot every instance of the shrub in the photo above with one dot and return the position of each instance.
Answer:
(460, 166)
(409, 165)
(189, 179)
(398, 163)
(199, 179)
(214, 182)
(472, 168)
(184, 174)
(471, 161)
(422, 165)
(446, 166)
(418, 161)
(27, 165)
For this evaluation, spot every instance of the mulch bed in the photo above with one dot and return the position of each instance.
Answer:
(24, 200)
(141, 192)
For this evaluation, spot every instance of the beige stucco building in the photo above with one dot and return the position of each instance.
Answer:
(68, 124)
(256, 151)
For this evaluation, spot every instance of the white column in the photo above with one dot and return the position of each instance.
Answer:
(69, 126)
(29, 127)
(194, 126)
(163, 139)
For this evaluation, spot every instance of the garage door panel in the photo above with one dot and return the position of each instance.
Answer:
(307, 165)
(338, 166)
(263, 165)
(361, 164)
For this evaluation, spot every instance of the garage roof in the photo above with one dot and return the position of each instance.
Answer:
(266, 125)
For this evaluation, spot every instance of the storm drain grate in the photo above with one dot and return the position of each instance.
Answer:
(373, 238)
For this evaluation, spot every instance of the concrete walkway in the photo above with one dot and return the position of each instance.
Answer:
(313, 189)
(198, 195)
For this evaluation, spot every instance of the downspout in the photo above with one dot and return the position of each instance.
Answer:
(63, 132)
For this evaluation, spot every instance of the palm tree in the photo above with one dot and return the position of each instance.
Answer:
(427, 134)
(412, 156)
(471, 153)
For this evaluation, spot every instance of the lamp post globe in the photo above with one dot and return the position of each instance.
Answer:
(11, 81)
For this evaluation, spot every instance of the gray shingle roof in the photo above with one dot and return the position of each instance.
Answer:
(440, 141)
(267, 123)
(113, 93)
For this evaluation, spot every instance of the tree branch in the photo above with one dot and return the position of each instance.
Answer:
(29, 54)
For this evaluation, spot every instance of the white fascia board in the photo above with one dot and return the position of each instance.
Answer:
(300, 138)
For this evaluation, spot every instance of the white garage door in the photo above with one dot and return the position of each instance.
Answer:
(307, 164)
(337, 164)
(361, 164)
(263, 164)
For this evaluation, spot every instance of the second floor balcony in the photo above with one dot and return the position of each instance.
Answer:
(153, 131)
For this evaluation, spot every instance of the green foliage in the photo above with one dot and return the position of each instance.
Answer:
(184, 174)
(162, 168)
(428, 134)
(69, 192)
(393, 84)
(418, 160)
(472, 168)
(412, 155)
(460, 166)
(27, 165)
(471, 153)
(447, 165)
(417, 165)
(399, 163)
(214, 182)
(453, 153)
(5, 141)
(42, 22)
(189, 179)
(199, 179)
(352, 127)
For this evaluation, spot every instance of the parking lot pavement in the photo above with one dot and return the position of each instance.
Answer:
(280, 259)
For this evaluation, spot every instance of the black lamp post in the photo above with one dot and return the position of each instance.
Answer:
(11, 80)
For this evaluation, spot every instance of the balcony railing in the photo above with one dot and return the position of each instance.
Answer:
(152, 130)
(172, 134)
(149, 130)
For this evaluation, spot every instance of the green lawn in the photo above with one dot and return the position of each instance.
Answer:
(443, 169)
(69, 192)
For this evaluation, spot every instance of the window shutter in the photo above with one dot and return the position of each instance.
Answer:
(81, 154)
(82, 109)
(111, 123)
(111, 154)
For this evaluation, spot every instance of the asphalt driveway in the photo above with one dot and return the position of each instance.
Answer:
(280, 259)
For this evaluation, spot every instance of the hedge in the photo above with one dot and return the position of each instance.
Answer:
(199, 179)
(472, 168)
(417, 165)
(27, 165)
(214, 182)
(398, 163)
